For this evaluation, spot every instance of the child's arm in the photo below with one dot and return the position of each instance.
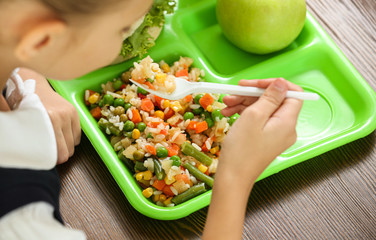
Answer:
(63, 115)
(263, 131)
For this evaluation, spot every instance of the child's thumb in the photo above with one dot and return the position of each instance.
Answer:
(272, 98)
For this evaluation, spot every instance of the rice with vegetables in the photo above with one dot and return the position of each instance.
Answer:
(172, 147)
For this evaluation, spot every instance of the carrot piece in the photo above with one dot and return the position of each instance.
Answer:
(159, 184)
(188, 98)
(192, 125)
(201, 126)
(153, 124)
(169, 114)
(136, 117)
(151, 149)
(158, 100)
(206, 100)
(96, 112)
(163, 132)
(182, 73)
(183, 177)
(173, 150)
(151, 86)
(147, 105)
(167, 191)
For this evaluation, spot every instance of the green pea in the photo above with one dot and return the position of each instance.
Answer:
(139, 155)
(128, 134)
(198, 97)
(220, 99)
(117, 84)
(119, 102)
(198, 111)
(217, 115)
(142, 91)
(176, 160)
(128, 126)
(162, 152)
(188, 115)
(108, 99)
(127, 106)
(141, 126)
(233, 118)
(210, 122)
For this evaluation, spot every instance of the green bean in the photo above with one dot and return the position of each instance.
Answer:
(126, 161)
(199, 175)
(190, 193)
(158, 170)
(189, 150)
(139, 166)
(114, 130)
(103, 124)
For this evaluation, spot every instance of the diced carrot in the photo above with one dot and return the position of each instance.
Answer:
(151, 86)
(153, 124)
(182, 73)
(136, 117)
(158, 100)
(167, 191)
(96, 113)
(169, 114)
(151, 149)
(163, 132)
(147, 105)
(201, 126)
(188, 98)
(184, 177)
(159, 184)
(207, 172)
(204, 148)
(192, 125)
(206, 100)
(173, 150)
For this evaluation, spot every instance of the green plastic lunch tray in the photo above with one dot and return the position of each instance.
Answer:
(345, 112)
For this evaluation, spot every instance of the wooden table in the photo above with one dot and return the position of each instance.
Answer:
(332, 196)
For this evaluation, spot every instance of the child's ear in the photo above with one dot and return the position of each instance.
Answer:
(39, 38)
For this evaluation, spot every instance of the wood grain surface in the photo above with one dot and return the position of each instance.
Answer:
(332, 196)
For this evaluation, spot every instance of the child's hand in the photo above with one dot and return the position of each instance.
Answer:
(63, 115)
(264, 130)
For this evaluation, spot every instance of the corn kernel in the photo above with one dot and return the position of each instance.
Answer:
(139, 176)
(145, 182)
(214, 150)
(202, 168)
(165, 103)
(156, 198)
(162, 198)
(209, 108)
(176, 106)
(160, 77)
(167, 201)
(136, 133)
(94, 98)
(166, 68)
(169, 181)
(159, 114)
(148, 175)
(147, 192)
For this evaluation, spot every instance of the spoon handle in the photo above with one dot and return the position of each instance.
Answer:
(248, 91)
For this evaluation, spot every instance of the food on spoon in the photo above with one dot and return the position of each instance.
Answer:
(172, 147)
(261, 27)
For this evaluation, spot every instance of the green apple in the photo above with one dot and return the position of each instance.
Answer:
(261, 26)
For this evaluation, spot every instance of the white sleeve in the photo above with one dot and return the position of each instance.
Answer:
(27, 136)
(35, 221)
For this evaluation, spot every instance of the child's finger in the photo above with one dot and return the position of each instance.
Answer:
(272, 99)
(234, 100)
(229, 111)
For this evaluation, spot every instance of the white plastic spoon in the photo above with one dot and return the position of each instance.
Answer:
(184, 88)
